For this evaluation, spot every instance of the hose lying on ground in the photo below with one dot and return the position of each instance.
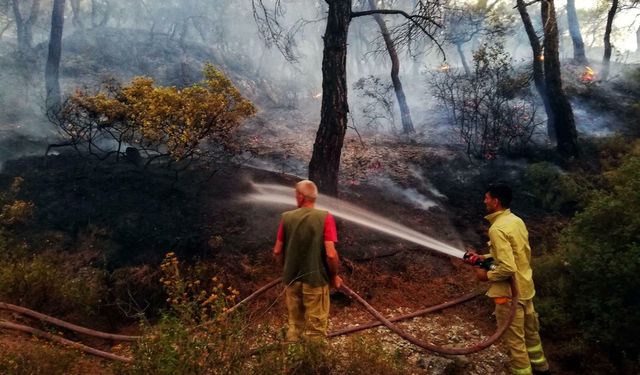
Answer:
(434, 348)
(62, 340)
(428, 346)
(381, 321)
(430, 309)
(63, 324)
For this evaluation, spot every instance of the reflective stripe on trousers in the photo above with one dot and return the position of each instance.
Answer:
(522, 338)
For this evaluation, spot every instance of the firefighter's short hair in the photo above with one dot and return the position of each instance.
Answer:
(502, 192)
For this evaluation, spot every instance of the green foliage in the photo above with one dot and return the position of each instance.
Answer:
(589, 288)
(557, 189)
(368, 356)
(39, 358)
(603, 252)
(199, 336)
(54, 283)
(358, 354)
(196, 336)
(57, 284)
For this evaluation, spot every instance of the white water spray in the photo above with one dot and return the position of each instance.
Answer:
(276, 194)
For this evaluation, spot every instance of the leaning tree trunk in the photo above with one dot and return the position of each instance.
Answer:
(407, 124)
(606, 60)
(576, 36)
(538, 66)
(463, 59)
(52, 83)
(24, 25)
(638, 40)
(561, 111)
(325, 161)
(77, 16)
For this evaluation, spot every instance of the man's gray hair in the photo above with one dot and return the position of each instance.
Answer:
(308, 189)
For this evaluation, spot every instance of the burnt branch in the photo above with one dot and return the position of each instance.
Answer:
(529, 3)
(272, 31)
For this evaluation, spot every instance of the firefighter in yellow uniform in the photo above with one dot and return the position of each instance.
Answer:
(510, 249)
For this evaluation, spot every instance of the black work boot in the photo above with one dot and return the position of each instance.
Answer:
(538, 372)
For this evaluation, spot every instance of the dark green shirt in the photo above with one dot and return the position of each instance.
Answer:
(304, 252)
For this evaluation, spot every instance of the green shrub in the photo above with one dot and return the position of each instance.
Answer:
(603, 251)
(557, 190)
(588, 289)
(40, 358)
(196, 336)
(53, 283)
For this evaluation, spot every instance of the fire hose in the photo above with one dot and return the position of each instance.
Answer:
(381, 321)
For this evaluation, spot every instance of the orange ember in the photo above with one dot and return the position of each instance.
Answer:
(588, 75)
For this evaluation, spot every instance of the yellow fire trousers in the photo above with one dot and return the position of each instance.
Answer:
(308, 309)
(522, 338)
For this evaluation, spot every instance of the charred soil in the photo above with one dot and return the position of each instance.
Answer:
(125, 219)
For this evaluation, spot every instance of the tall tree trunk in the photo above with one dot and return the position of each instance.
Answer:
(561, 111)
(538, 66)
(463, 59)
(407, 124)
(24, 25)
(325, 161)
(606, 60)
(52, 83)
(638, 40)
(576, 36)
(77, 16)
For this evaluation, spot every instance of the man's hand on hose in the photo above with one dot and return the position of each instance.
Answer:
(471, 256)
(481, 274)
(336, 282)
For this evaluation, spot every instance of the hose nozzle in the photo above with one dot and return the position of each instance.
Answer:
(478, 261)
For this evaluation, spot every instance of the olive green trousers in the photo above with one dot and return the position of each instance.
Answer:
(522, 338)
(308, 309)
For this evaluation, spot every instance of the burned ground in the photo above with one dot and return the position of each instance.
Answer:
(131, 217)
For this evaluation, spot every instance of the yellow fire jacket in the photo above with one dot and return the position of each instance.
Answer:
(509, 247)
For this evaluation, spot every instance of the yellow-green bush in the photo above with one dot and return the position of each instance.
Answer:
(193, 122)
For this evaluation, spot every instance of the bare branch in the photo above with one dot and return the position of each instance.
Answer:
(529, 3)
(272, 31)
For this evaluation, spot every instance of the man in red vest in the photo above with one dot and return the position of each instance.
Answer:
(306, 247)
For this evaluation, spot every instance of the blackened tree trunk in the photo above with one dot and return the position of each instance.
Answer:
(407, 124)
(24, 24)
(538, 66)
(561, 111)
(606, 60)
(576, 35)
(325, 161)
(52, 83)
